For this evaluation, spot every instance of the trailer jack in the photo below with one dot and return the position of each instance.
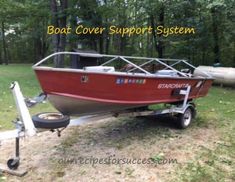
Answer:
(28, 126)
(24, 126)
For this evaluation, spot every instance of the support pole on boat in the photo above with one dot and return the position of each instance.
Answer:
(174, 64)
(135, 65)
(142, 65)
(124, 58)
(109, 61)
(184, 75)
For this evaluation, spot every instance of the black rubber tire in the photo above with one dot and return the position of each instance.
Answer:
(13, 164)
(194, 113)
(185, 119)
(50, 120)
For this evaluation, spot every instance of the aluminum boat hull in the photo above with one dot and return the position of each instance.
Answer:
(79, 92)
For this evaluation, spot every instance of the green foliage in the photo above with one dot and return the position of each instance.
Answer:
(26, 23)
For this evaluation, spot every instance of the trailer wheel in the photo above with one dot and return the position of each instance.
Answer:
(185, 119)
(50, 120)
(13, 164)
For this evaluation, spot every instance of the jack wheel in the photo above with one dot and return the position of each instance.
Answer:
(13, 163)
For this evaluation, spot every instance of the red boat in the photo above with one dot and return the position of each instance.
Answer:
(107, 85)
(92, 84)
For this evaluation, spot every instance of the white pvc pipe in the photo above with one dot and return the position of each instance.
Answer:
(222, 75)
(97, 55)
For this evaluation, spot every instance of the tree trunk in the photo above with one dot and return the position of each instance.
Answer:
(154, 32)
(54, 22)
(160, 47)
(101, 43)
(5, 58)
(216, 36)
(106, 34)
(203, 57)
(72, 43)
(44, 42)
(107, 43)
(39, 48)
(94, 44)
(62, 24)
(148, 45)
(59, 40)
(36, 50)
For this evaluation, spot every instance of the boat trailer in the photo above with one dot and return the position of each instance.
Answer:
(25, 126)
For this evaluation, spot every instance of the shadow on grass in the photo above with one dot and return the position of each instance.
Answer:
(121, 132)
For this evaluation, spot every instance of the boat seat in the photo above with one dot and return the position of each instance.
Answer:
(169, 73)
(187, 72)
(99, 68)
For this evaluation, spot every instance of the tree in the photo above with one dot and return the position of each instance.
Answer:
(59, 18)
(5, 58)
(24, 38)
(156, 13)
(21, 23)
(216, 14)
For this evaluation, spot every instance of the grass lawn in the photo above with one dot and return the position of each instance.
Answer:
(29, 86)
(215, 111)
(218, 164)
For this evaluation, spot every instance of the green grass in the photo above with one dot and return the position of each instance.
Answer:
(216, 110)
(29, 87)
(219, 102)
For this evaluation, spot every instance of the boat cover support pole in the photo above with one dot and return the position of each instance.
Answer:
(174, 64)
(124, 59)
(171, 67)
(109, 61)
(141, 65)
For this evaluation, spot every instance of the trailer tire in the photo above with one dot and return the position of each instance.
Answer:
(50, 120)
(185, 119)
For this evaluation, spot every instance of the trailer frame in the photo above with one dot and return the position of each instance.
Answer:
(25, 126)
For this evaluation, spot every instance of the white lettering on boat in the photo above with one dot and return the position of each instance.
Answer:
(172, 85)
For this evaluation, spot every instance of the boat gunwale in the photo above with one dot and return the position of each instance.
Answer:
(115, 73)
